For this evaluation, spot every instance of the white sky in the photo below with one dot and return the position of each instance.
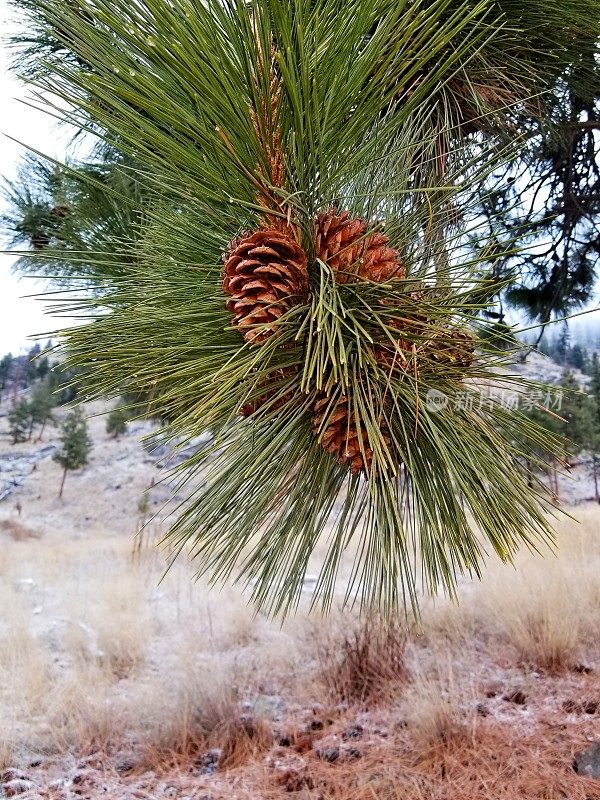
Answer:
(20, 316)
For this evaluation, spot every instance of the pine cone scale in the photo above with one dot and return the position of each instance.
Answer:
(265, 273)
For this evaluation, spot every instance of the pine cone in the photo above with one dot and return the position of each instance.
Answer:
(272, 386)
(265, 274)
(60, 211)
(452, 347)
(351, 253)
(335, 425)
(393, 359)
(40, 240)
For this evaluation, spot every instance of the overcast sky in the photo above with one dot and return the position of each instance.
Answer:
(20, 317)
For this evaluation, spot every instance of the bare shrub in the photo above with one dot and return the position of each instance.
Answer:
(364, 662)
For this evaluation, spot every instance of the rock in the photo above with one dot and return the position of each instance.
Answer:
(209, 762)
(516, 696)
(17, 786)
(351, 754)
(11, 774)
(353, 732)
(125, 766)
(329, 754)
(267, 705)
(493, 689)
(587, 763)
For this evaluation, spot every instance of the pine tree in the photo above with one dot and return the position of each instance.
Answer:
(578, 411)
(116, 422)
(6, 364)
(594, 445)
(19, 421)
(290, 273)
(41, 403)
(75, 444)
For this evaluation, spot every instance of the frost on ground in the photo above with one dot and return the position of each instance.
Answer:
(114, 684)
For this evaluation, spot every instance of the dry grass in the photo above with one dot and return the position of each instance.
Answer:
(96, 655)
(432, 712)
(547, 609)
(203, 714)
(362, 661)
(496, 764)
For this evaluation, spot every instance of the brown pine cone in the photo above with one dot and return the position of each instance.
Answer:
(334, 423)
(272, 386)
(352, 254)
(452, 347)
(265, 274)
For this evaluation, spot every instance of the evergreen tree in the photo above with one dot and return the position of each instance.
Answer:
(41, 404)
(42, 368)
(562, 345)
(75, 444)
(578, 358)
(6, 364)
(594, 444)
(578, 410)
(294, 277)
(19, 421)
(63, 383)
(116, 422)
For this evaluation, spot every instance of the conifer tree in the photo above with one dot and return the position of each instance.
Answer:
(19, 420)
(594, 445)
(116, 422)
(75, 444)
(5, 371)
(41, 403)
(292, 269)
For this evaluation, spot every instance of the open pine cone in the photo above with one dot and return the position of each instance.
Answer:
(335, 425)
(352, 254)
(265, 275)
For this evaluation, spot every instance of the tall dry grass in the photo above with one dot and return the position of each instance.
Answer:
(546, 608)
(97, 653)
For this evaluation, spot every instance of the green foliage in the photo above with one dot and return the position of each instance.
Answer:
(373, 108)
(41, 403)
(116, 422)
(6, 364)
(579, 410)
(63, 382)
(19, 418)
(75, 442)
